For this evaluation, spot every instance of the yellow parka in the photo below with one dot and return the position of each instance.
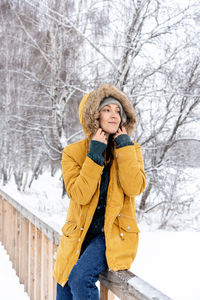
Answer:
(82, 177)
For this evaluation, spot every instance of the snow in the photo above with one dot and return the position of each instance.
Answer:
(168, 260)
(10, 286)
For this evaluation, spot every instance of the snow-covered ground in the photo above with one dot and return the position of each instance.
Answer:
(168, 260)
(10, 288)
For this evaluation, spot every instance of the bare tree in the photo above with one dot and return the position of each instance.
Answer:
(56, 51)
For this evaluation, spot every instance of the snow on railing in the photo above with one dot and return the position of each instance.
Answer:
(31, 244)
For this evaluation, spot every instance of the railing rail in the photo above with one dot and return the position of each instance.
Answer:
(31, 244)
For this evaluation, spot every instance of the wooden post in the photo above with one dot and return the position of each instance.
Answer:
(17, 238)
(2, 221)
(31, 261)
(44, 264)
(8, 229)
(50, 286)
(54, 282)
(12, 235)
(38, 236)
(4, 240)
(105, 294)
(26, 252)
(21, 251)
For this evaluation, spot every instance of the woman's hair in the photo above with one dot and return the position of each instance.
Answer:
(109, 152)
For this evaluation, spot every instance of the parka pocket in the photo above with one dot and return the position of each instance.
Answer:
(127, 225)
(69, 229)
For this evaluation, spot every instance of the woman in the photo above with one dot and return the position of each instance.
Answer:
(102, 174)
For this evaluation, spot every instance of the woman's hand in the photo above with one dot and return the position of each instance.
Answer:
(120, 131)
(100, 136)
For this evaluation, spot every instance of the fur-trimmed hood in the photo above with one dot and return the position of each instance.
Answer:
(88, 109)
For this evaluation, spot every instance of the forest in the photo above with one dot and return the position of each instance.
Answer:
(55, 51)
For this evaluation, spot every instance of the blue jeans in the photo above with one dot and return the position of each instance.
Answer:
(85, 273)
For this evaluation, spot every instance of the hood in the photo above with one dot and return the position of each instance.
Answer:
(88, 109)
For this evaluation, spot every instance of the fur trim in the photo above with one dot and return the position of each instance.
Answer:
(90, 112)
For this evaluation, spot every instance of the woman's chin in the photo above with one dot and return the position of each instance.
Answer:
(111, 131)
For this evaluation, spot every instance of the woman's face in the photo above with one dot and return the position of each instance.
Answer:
(110, 118)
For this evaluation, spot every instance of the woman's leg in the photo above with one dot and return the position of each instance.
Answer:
(84, 275)
(63, 293)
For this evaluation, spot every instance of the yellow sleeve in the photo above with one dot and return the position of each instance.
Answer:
(80, 181)
(131, 169)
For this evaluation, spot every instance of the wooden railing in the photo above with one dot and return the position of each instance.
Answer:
(31, 245)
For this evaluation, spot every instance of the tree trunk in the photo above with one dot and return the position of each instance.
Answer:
(145, 196)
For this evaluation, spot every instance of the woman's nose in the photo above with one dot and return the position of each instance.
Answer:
(113, 114)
